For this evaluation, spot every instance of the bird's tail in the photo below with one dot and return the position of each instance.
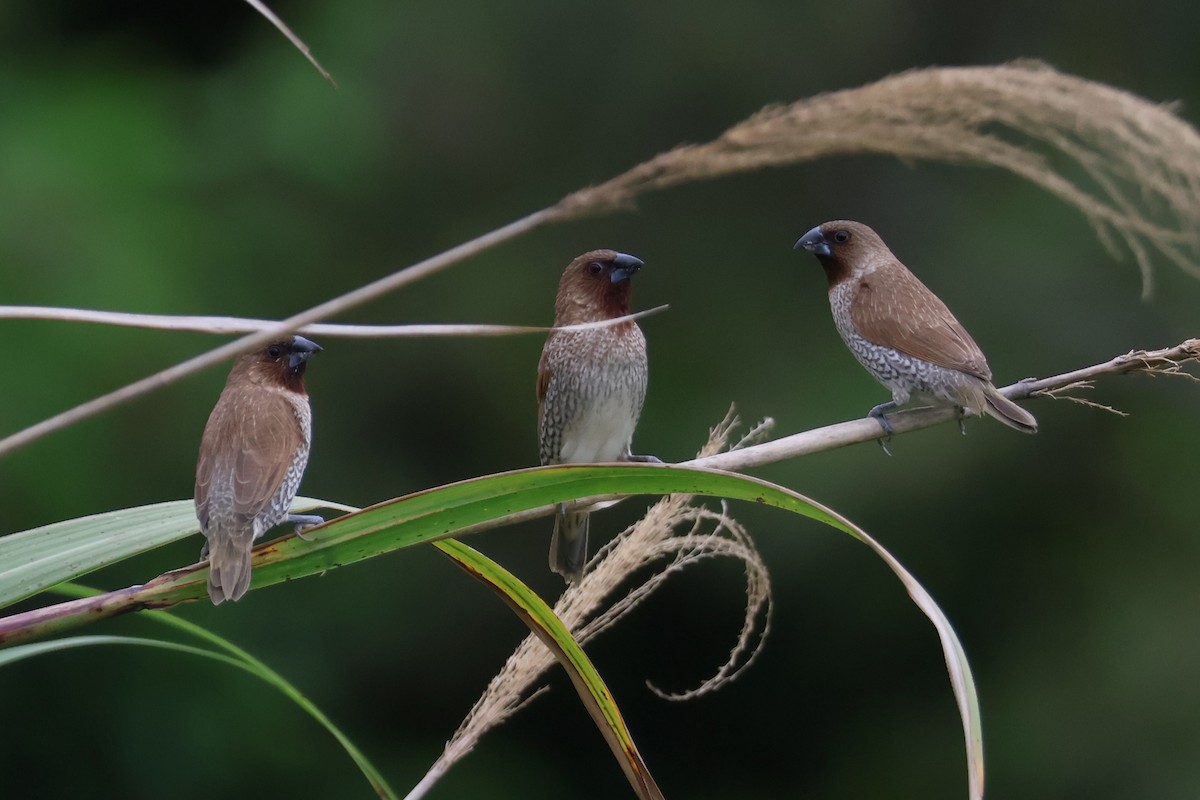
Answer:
(568, 544)
(229, 567)
(1008, 412)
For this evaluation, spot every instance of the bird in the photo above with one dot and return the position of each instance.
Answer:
(591, 385)
(252, 456)
(901, 332)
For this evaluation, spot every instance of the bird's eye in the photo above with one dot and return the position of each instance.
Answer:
(274, 351)
(595, 268)
(841, 237)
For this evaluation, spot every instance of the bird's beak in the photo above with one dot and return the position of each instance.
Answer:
(623, 267)
(814, 242)
(301, 350)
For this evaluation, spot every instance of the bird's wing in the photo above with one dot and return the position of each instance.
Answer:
(910, 318)
(543, 383)
(547, 447)
(250, 444)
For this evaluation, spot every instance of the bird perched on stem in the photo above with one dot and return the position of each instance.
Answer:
(901, 332)
(590, 386)
(252, 456)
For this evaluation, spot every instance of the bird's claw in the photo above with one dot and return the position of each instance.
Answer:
(645, 459)
(302, 521)
(962, 420)
(878, 413)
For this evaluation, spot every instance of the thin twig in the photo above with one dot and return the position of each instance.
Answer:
(1166, 361)
(227, 325)
(1157, 362)
(261, 8)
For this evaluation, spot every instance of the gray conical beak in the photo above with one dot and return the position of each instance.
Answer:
(624, 267)
(814, 242)
(301, 350)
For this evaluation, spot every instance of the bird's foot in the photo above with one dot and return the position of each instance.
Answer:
(302, 521)
(204, 551)
(644, 459)
(962, 419)
(878, 412)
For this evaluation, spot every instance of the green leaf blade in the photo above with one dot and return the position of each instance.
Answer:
(546, 625)
(34, 560)
(447, 510)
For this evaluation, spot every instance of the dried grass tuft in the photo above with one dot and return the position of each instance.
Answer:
(586, 606)
(1130, 166)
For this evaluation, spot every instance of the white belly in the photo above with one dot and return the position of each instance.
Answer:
(600, 433)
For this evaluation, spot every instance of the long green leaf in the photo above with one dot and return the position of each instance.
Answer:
(34, 560)
(444, 511)
(23, 651)
(263, 672)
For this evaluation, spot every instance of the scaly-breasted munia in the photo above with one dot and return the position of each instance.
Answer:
(252, 456)
(900, 331)
(590, 385)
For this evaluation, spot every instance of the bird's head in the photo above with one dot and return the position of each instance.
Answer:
(595, 286)
(847, 250)
(281, 362)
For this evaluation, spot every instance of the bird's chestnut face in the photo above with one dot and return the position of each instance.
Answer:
(596, 285)
(846, 249)
(610, 266)
(290, 353)
(280, 362)
(830, 240)
(840, 240)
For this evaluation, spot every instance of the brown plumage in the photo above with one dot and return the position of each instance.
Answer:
(590, 385)
(900, 331)
(252, 456)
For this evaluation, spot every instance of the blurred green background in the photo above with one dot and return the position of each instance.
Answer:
(183, 158)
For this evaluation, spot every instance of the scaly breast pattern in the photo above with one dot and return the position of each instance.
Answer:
(595, 395)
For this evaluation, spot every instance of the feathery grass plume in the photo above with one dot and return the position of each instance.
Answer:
(709, 534)
(1130, 166)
